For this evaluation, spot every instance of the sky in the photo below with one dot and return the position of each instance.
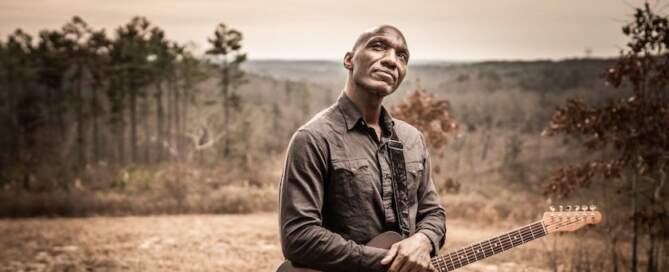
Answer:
(449, 30)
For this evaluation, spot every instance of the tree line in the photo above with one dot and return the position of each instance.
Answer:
(78, 96)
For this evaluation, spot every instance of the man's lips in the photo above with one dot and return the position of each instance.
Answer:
(385, 74)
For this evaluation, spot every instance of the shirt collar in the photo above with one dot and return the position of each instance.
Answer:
(353, 117)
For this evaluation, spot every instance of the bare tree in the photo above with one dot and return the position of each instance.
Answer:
(631, 133)
(226, 47)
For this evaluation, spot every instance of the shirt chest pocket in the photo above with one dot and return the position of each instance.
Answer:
(414, 178)
(352, 182)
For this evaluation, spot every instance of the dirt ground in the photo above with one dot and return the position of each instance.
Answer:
(191, 243)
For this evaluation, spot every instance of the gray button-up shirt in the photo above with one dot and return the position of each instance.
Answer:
(336, 191)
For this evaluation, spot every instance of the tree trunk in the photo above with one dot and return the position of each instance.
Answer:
(12, 98)
(23, 142)
(614, 255)
(651, 249)
(160, 116)
(147, 131)
(226, 110)
(170, 113)
(79, 107)
(486, 144)
(133, 125)
(120, 133)
(60, 114)
(177, 118)
(635, 229)
(96, 130)
(184, 114)
(120, 130)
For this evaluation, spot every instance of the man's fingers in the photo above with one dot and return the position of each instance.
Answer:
(432, 268)
(398, 262)
(425, 264)
(408, 266)
(390, 255)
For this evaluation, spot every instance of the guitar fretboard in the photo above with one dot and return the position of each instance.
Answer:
(478, 251)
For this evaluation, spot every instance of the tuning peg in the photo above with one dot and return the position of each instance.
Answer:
(584, 208)
(552, 208)
(569, 208)
(593, 208)
(561, 208)
(577, 207)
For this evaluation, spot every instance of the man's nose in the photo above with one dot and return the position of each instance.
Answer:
(389, 59)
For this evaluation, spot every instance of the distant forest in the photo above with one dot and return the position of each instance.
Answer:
(78, 97)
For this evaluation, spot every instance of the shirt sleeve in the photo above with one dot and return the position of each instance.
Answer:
(430, 216)
(304, 240)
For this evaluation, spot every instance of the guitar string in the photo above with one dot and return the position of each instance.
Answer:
(504, 243)
(509, 243)
(501, 241)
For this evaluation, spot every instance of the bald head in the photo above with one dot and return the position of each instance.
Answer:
(364, 36)
(378, 62)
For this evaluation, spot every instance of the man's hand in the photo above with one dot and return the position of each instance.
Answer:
(410, 255)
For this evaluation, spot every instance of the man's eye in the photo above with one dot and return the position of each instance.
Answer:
(378, 45)
(403, 57)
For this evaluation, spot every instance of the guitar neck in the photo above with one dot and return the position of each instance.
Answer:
(479, 251)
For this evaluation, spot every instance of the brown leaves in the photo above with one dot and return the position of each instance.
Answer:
(571, 177)
(429, 114)
(635, 127)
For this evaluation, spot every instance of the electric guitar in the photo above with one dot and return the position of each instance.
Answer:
(567, 219)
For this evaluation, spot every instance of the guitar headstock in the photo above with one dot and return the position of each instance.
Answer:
(571, 218)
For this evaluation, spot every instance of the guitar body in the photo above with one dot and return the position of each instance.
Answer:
(384, 240)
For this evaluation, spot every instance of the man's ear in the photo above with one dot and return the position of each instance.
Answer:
(348, 61)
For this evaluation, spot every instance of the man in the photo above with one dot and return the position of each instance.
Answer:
(340, 184)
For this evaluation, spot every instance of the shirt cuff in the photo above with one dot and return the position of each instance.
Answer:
(434, 239)
(371, 258)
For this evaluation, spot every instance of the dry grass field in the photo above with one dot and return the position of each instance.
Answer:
(192, 243)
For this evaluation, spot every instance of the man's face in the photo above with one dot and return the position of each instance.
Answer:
(379, 61)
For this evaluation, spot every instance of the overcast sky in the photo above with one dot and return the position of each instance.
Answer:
(311, 29)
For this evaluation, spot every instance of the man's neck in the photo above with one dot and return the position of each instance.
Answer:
(368, 104)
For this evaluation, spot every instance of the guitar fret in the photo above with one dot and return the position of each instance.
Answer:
(533, 230)
(472, 253)
(457, 259)
(478, 251)
(468, 254)
(460, 259)
(527, 232)
(490, 247)
(508, 242)
(464, 253)
(442, 264)
(451, 258)
(517, 236)
(522, 239)
(498, 244)
(437, 264)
